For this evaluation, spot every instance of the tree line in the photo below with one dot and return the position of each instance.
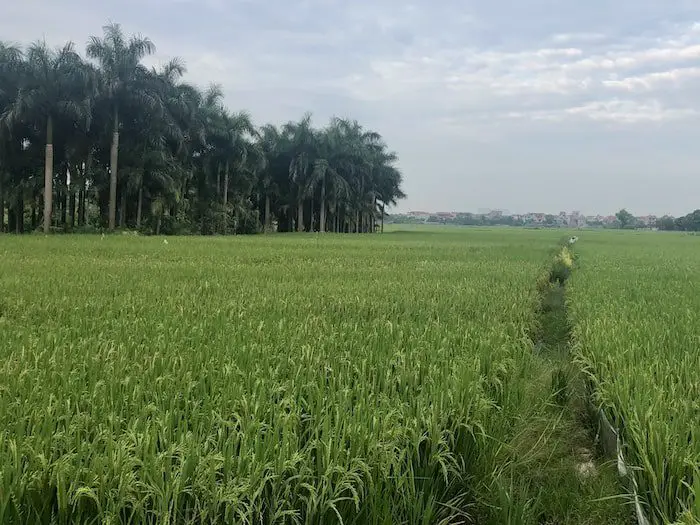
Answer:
(106, 142)
(687, 223)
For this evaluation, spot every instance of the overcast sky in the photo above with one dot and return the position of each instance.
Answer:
(527, 105)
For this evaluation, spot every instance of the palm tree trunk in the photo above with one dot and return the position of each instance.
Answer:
(122, 207)
(225, 196)
(48, 175)
(83, 189)
(158, 225)
(382, 230)
(373, 216)
(322, 211)
(19, 214)
(2, 206)
(300, 216)
(218, 179)
(81, 203)
(113, 158)
(64, 199)
(267, 213)
(34, 217)
(71, 205)
(80, 206)
(139, 207)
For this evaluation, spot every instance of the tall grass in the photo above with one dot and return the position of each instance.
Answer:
(296, 379)
(635, 303)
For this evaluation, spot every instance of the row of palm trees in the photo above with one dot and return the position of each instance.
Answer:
(126, 146)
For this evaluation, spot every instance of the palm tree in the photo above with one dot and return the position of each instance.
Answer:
(328, 167)
(238, 129)
(120, 64)
(148, 131)
(54, 85)
(388, 189)
(268, 147)
(11, 64)
(302, 144)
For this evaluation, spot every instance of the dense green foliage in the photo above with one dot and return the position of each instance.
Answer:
(688, 223)
(119, 145)
(635, 304)
(272, 379)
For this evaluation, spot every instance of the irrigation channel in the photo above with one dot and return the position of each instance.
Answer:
(572, 478)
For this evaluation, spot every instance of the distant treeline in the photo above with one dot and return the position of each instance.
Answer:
(622, 220)
(687, 223)
(462, 219)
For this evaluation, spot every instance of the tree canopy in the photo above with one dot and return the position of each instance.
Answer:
(625, 218)
(689, 222)
(106, 142)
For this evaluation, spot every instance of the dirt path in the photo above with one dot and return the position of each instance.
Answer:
(556, 469)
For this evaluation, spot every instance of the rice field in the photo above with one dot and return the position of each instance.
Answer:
(281, 379)
(306, 379)
(634, 302)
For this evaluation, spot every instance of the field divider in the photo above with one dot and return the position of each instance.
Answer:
(612, 445)
(607, 435)
(592, 477)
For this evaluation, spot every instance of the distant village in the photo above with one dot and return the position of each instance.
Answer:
(564, 219)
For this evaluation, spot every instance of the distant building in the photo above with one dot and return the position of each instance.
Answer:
(419, 214)
(576, 220)
(647, 220)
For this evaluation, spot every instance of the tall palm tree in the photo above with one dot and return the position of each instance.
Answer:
(120, 64)
(332, 157)
(388, 189)
(302, 144)
(54, 84)
(147, 132)
(268, 139)
(11, 64)
(238, 130)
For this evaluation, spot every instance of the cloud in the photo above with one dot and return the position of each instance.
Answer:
(652, 81)
(619, 111)
(453, 85)
(568, 38)
(463, 77)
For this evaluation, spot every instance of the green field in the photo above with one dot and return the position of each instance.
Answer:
(635, 304)
(324, 379)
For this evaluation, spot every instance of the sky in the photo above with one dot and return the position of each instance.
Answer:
(524, 105)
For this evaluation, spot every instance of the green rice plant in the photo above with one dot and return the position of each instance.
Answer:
(636, 311)
(279, 379)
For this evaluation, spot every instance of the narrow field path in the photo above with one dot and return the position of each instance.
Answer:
(557, 472)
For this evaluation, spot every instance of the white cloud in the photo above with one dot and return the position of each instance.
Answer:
(567, 38)
(618, 111)
(629, 111)
(465, 78)
(522, 82)
(651, 81)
